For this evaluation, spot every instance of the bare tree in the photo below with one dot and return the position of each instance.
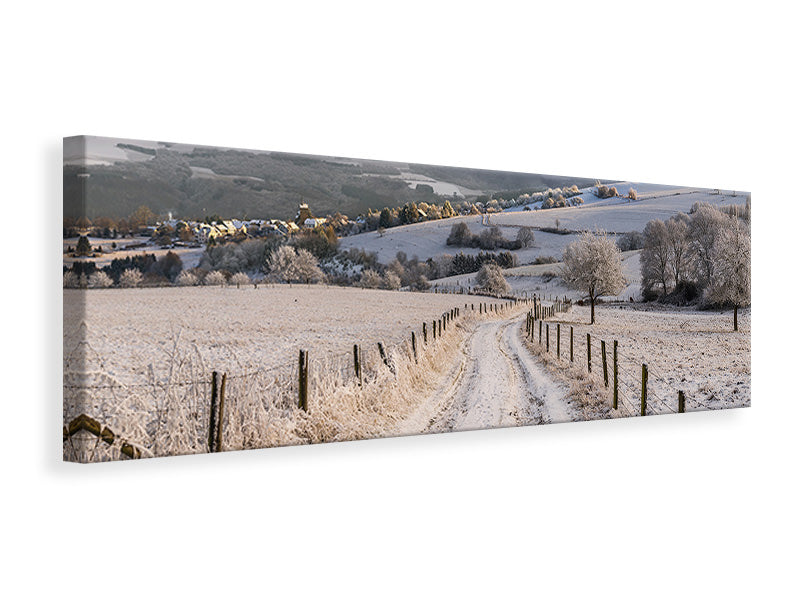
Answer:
(730, 283)
(678, 239)
(593, 265)
(655, 257)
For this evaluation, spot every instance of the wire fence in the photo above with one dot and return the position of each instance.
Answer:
(636, 387)
(195, 408)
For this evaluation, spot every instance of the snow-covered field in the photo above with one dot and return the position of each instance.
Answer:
(140, 361)
(428, 239)
(684, 349)
(134, 331)
(189, 256)
(543, 280)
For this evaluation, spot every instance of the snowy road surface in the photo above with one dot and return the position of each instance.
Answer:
(496, 383)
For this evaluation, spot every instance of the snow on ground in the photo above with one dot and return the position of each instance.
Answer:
(237, 330)
(495, 384)
(543, 280)
(428, 239)
(189, 256)
(684, 349)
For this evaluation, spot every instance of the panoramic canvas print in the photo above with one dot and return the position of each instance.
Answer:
(220, 299)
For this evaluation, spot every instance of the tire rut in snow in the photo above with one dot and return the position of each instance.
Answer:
(499, 385)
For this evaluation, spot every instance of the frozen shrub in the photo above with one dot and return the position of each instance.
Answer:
(491, 279)
(370, 279)
(187, 278)
(392, 280)
(214, 278)
(632, 195)
(99, 279)
(632, 240)
(70, 279)
(130, 278)
(238, 279)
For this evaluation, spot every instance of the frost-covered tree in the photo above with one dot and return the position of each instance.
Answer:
(306, 267)
(238, 279)
(525, 237)
(287, 264)
(490, 278)
(99, 279)
(678, 239)
(187, 278)
(654, 258)
(593, 265)
(130, 278)
(730, 282)
(70, 279)
(706, 224)
(280, 264)
(214, 278)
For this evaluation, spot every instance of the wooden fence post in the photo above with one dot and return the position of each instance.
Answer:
(681, 402)
(221, 413)
(644, 389)
(424, 333)
(303, 380)
(384, 357)
(414, 345)
(434, 330)
(540, 333)
(616, 376)
(589, 351)
(212, 418)
(357, 363)
(558, 341)
(547, 335)
(571, 345)
(605, 364)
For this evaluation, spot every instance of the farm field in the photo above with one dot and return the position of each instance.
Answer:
(684, 349)
(189, 256)
(428, 239)
(544, 280)
(134, 332)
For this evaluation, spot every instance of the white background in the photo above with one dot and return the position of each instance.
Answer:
(700, 505)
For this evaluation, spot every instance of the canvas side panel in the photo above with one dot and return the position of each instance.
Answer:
(75, 346)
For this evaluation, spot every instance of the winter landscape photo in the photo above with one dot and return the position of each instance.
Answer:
(220, 299)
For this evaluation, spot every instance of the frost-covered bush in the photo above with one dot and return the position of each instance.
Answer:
(238, 279)
(287, 264)
(130, 278)
(632, 240)
(99, 279)
(632, 195)
(370, 279)
(70, 279)
(491, 279)
(214, 278)
(392, 280)
(187, 278)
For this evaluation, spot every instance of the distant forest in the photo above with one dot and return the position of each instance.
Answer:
(241, 184)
